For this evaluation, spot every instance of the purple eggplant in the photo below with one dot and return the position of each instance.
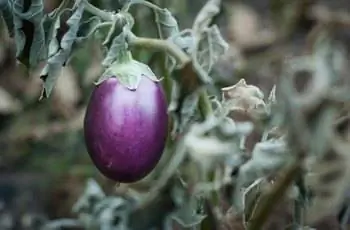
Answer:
(126, 128)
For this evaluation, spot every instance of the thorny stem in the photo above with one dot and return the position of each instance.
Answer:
(272, 197)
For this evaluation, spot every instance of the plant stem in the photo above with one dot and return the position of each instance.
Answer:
(158, 44)
(298, 212)
(145, 3)
(271, 198)
(106, 16)
(204, 104)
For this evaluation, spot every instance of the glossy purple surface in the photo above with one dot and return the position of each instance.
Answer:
(125, 131)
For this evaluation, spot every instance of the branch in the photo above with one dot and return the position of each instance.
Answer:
(159, 44)
(271, 198)
(104, 15)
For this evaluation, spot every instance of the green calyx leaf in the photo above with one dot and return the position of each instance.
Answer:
(129, 73)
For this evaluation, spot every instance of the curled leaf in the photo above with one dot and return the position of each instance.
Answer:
(92, 194)
(327, 179)
(187, 215)
(215, 140)
(118, 45)
(243, 99)
(205, 16)
(185, 40)
(29, 31)
(6, 12)
(60, 47)
(108, 210)
(267, 158)
(166, 23)
(210, 48)
(89, 27)
(185, 93)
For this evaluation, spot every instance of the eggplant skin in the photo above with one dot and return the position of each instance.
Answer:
(125, 130)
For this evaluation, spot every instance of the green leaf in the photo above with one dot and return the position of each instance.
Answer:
(29, 31)
(6, 13)
(60, 47)
(210, 48)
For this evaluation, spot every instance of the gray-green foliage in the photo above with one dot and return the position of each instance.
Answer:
(28, 31)
(6, 13)
(211, 45)
(60, 45)
(212, 152)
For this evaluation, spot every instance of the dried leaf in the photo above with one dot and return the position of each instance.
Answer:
(244, 100)
(60, 48)
(328, 181)
(210, 48)
(213, 141)
(205, 16)
(29, 31)
(168, 29)
(88, 27)
(185, 40)
(118, 44)
(166, 23)
(187, 215)
(267, 158)
(91, 196)
(108, 210)
(6, 13)
(185, 94)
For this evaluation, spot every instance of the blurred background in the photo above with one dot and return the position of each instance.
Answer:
(43, 161)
